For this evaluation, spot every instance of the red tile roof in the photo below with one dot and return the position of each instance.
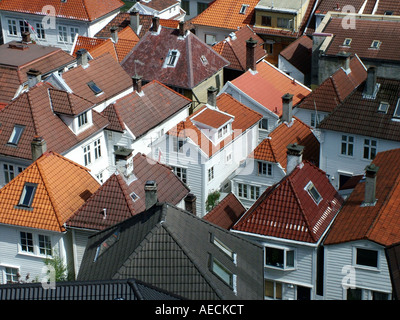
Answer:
(273, 148)
(298, 53)
(86, 10)
(245, 118)
(226, 213)
(212, 118)
(336, 88)
(61, 185)
(286, 210)
(233, 48)
(268, 85)
(379, 223)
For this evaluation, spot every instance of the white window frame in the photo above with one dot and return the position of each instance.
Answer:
(210, 38)
(181, 173)
(172, 58)
(243, 9)
(224, 248)
(309, 187)
(264, 169)
(83, 119)
(40, 31)
(62, 34)
(87, 159)
(10, 170)
(210, 174)
(261, 124)
(231, 281)
(16, 135)
(73, 32)
(248, 191)
(346, 143)
(35, 245)
(26, 199)
(364, 266)
(12, 29)
(97, 149)
(284, 265)
(370, 148)
(23, 26)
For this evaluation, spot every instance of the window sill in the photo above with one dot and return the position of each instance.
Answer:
(366, 268)
(33, 255)
(279, 268)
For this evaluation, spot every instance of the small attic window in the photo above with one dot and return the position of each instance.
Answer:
(134, 196)
(172, 58)
(243, 8)
(383, 107)
(94, 87)
(375, 44)
(204, 60)
(347, 42)
(27, 195)
(16, 135)
(396, 113)
(313, 192)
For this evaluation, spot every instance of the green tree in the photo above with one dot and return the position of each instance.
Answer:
(212, 200)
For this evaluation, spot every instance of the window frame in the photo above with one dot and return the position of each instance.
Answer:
(180, 172)
(62, 34)
(356, 257)
(224, 248)
(15, 136)
(9, 171)
(172, 58)
(22, 203)
(275, 284)
(316, 197)
(281, 25)
(23, 26)
(210, 173)
(210, 35)
(264, 169)
(213, 262)
(83, 119)
(87, 159)
(371, 149)
(284, 265)
(97, 149)
(243, 8)
(12, 26)
(73, 31)
(267, 19)
(346, 143)
(40, 31)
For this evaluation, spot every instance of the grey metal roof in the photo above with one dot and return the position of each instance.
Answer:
(123, 289)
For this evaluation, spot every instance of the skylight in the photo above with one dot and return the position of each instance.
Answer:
(243, 9)
(134, 196)
(27, 195)
(396, 113)
(172, 58)
(107, 243)
(347, 42)
(16, 134)
(96, 90)
(313, 192)
(375, 44)
(383, 107)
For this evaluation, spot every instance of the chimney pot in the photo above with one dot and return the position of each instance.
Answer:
(294, 156)
(150, 189)
(137, 83)
(250, 54)
(38, 147)
(370, 184)
(212, 96)
(82, 57)
(287, 107)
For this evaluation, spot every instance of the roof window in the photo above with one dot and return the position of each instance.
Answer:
(243, 8)
(172, 58)
(347, 42)
(27, 195)
(313, 192)
(204, 60)
(95, 88)
(375, 44)
(134, 196)
(16, 135)
(396, 113)
(107, 243)
(383, 107)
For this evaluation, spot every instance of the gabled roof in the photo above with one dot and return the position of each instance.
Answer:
(379, 223)
(170, 248)
(286, 210)
(159, 5)
(61, 186)
(227, 212)
(195, 62)
(267, 86)
(337, 5)
(298, 53)
(86, 10)
(244, 118)
(33, 111)
(16, 58)
(335, 89)
(233, 48)
(63, 102)
(359, 115)
(112, 202)
(144, 111)
(274, 147)
(105, 72)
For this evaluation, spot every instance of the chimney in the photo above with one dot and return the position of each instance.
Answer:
(344, 60)
(150, 189)
(287, 108)
(137, 83)
(212, 96)
(190, 203)
(370, 82)
(26, 37)
(250, 54)
(156, 24)
(182, 29)
(370, 184)
(82, 57)
(34, 77)
(134, 20)
(114, 34)
(294, 157)
(38, 147)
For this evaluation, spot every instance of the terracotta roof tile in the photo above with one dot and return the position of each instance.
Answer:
(226, 213)
(379, 223)
(86, 10)
(60, 185)
(68, 103)
(286, 210)
(212, 118)
(268, 85)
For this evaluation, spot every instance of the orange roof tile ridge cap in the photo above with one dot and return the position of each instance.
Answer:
(87, 12)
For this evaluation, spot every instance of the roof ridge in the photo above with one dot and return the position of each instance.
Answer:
(189, 60)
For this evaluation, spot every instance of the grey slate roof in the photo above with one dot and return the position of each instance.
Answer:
(126, 289)
(171, 249)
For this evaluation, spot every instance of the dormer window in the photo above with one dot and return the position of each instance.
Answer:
(383, 107)
(243, 8)
(222, 131)
(313, 192)
(172, 58)
(27, 195)
(375, 44)
(16, 135)
(82, 119)
(347, 42)
(95, 88)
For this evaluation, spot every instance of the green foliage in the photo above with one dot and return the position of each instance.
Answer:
(60, 268)
(212, 200)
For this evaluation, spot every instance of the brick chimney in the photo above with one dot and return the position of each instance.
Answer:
(82, 57)
(182, 28)
(212, 96)
(150, 189)
(294, 157)
(26, 37)
(38, 147)
(250, 54)
(114, 34)
(190, 203)
(287, 108)
(370, 83)
(370, 185)
(34, 77)
(134, 20)
(156, 24)
(137, 83)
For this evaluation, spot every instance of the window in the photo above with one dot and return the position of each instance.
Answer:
(388, 13)
(383, 107)
(94, 87)
(264, 169)
(242, 190)
(273, 289)
(279, 258)
(283, 23)
(396, 113)
(172, 58)
(347, 42)
(62, 34)
(263, 124)
(99, 177)
(185, 5)
(243, 8)
(178, 145)
(9, 172)
(203, 60)
(11, 275)
(74, 31)
(375, 44)
(222, 272)
(379, 295)
(210, 173)
(248, 191)
(86, 155)
(222, 131)
(40, 31)
(366, 257)
(210, 39)
(16, 134)
(44, 245)
(266, 21)
(347, 145)
(82, 119)
(28, 192)
(180, 173)
(12, 27)
(113, 238)
(26, 242)
(313, 192)
(223, 248)
(134, 196)
(315, 119)
(369, 149)
(353, 294)
(254, 192)
(23, 26)
(97, 149)
(201, 6)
